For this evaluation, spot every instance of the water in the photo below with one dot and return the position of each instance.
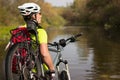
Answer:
(90, 58)
(78, 54)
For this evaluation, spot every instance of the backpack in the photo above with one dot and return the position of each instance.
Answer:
(19, 35)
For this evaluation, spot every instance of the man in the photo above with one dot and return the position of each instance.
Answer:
(32, 16)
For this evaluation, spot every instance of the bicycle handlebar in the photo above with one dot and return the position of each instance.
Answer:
(73, 38)
(63, 42)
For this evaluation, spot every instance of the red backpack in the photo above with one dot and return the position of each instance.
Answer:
(19, 35)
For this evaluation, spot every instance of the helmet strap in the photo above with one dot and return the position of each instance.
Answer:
(35, 17)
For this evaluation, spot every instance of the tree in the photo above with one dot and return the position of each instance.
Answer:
(10, 16)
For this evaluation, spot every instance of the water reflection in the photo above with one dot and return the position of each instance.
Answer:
(106, 57)
(79, 55)
(91, 58)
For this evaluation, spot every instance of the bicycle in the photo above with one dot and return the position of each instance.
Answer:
(64, 74)
(24, 62)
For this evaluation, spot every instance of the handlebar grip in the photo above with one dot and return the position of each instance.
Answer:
(80, 34)
(73, 38)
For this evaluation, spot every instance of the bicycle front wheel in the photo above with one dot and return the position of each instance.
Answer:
(14, 62)
(64, 75)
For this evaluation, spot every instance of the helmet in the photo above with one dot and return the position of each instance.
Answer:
(28, 8)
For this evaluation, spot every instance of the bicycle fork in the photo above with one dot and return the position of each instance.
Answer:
(65, 62)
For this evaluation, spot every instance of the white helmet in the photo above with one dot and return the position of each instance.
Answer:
(28, 8)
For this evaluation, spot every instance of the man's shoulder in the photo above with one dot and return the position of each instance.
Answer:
(41, 30)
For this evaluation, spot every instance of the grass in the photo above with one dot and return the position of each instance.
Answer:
(5, 33)
(4, 38)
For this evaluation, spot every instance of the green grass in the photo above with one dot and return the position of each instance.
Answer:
(4, 38)
(5, 33)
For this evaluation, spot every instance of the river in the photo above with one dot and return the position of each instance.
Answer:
(92, 57)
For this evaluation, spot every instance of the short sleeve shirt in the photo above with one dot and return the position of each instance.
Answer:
(42, 36)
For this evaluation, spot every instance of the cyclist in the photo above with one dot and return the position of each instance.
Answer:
(32, 16)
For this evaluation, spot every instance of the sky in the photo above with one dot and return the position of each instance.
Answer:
(59, 3)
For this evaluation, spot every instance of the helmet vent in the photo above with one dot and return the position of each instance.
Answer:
(29, 7)
(22, 12)
(35, 9)
(22, 9)
(27, 11)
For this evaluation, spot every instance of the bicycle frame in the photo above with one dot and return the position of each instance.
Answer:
(58, 59)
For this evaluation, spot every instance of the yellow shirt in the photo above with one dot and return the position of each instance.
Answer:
(42, 35)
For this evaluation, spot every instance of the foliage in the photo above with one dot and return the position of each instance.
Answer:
(73, 13)
(50, 15)
(105, 13)
(10, 16)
